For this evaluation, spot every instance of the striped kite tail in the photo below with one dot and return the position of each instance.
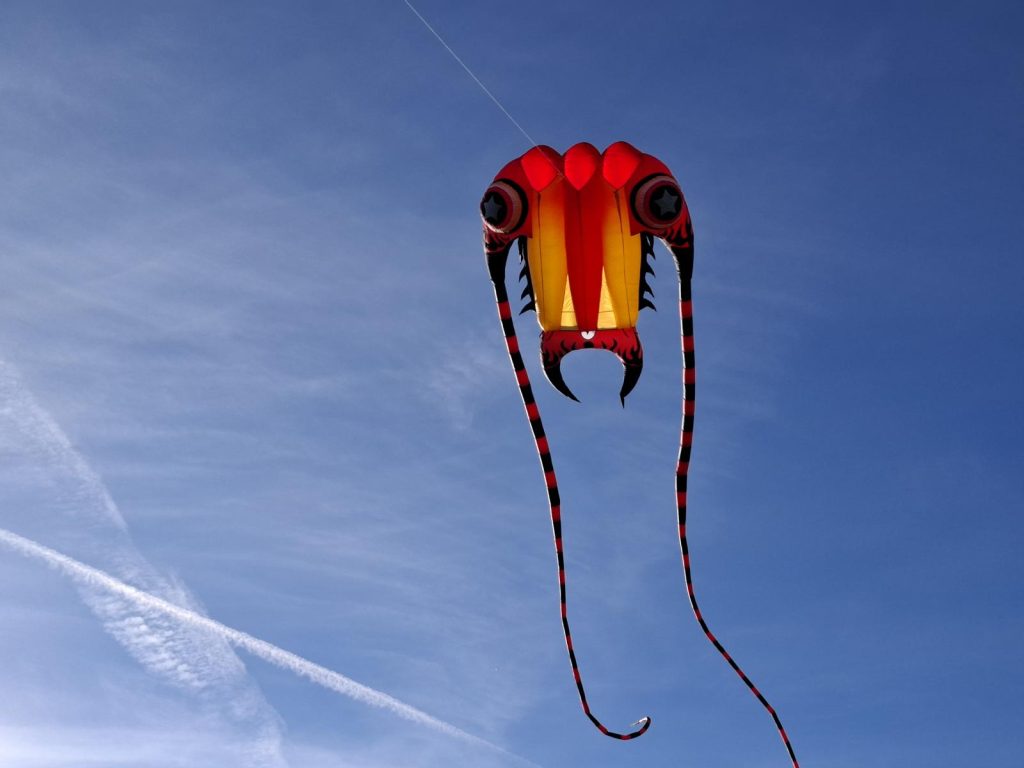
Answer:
(682, 471)
(544, 453)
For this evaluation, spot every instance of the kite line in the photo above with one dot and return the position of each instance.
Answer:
(470, 72)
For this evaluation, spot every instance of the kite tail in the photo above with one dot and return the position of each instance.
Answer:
(682, 470)
(543, 451)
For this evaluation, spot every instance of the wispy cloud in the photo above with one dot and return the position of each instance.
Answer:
(94, 523)
(462, 371)
(164, 746)
(94, 578)
(28, 418)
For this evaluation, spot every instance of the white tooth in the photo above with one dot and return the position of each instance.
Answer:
(588, 335)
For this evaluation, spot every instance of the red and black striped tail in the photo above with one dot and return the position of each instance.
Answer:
(544, 452)
(682, 470)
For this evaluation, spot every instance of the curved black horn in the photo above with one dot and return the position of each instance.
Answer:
(630, 376)
(553, 372)
(632, 358)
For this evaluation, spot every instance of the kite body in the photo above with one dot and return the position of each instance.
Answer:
(585, 224)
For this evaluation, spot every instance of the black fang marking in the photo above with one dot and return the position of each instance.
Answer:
(524, 274)
(647, 254)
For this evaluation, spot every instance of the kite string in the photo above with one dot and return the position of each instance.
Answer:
(483, 87)
(470, 72)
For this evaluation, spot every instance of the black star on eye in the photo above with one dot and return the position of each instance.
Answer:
(493, 208)
(668, 203)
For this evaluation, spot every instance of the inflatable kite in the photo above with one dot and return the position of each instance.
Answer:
(585, 225)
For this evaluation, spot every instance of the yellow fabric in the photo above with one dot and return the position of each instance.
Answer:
(621, 263)
(620, 258)
(546, 255)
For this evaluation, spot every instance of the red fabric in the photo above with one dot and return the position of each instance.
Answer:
(624, 342)
(541, 165)
(581, 162)
(620, 162)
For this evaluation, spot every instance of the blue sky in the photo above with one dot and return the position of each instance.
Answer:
(249, 361)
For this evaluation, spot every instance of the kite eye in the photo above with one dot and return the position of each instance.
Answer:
(657, 202)
(504, 207)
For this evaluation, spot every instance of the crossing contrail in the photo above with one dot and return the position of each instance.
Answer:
(77, 502)
(93, 577)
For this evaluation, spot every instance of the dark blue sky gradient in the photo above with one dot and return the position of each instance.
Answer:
(240, 264)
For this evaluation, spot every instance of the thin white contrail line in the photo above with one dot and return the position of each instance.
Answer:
(172, 651)
(278, 656)
(470, 73)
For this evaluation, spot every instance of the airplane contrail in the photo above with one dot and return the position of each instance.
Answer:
(90, 517)
(317, 674)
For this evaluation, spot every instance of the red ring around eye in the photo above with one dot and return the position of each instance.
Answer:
(658, 202)
(503, 208)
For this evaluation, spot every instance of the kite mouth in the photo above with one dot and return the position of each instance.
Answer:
(624, 343)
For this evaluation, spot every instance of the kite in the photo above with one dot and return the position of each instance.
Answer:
(585, 224)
